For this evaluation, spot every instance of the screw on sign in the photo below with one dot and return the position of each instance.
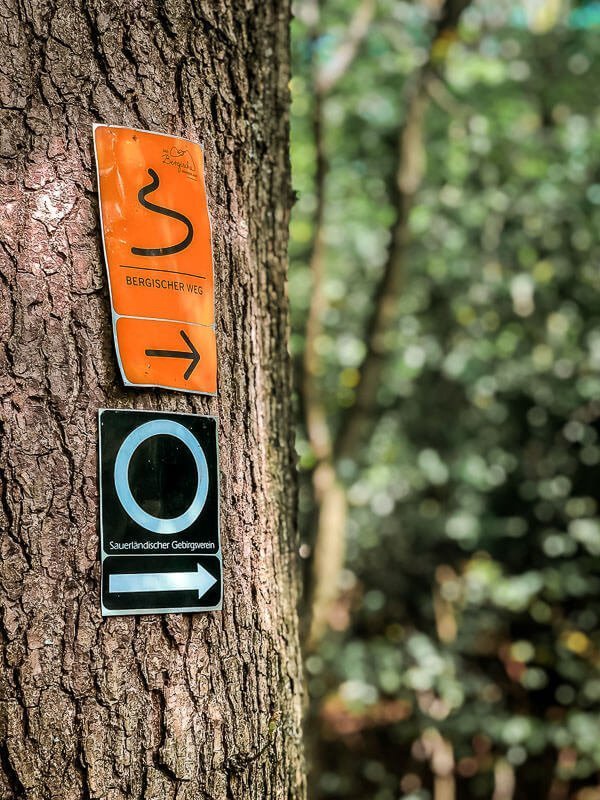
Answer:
(157, 246)
(159, 513)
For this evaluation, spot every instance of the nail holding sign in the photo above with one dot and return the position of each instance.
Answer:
(159, 513)
(157, 245)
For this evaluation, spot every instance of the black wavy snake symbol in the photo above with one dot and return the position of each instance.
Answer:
(167, 212)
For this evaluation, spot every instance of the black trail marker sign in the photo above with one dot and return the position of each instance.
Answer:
(159, 513)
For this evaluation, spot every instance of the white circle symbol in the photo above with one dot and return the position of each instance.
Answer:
(158, 427)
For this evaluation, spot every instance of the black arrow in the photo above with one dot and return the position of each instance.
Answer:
(192, 354)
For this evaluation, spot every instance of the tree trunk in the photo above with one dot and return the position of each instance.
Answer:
(184, 705)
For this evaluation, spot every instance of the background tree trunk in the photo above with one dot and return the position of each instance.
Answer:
(179, 706)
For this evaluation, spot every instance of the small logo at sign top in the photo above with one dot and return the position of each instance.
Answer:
(180, 159)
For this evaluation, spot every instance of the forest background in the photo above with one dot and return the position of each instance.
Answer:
(445, 294)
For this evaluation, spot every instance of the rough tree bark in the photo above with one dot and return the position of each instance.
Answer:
(180, 706)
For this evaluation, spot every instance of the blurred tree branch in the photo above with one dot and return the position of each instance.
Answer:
(345, 54)
(444, 99)
(324, 80)
(359, 419)
(330, 496)
(410, 170)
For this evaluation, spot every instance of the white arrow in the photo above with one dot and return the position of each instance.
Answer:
(201, 580)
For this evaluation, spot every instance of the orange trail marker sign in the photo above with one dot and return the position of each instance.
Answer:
(157, 246)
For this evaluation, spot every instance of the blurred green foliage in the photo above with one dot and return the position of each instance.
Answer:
(470, 605)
